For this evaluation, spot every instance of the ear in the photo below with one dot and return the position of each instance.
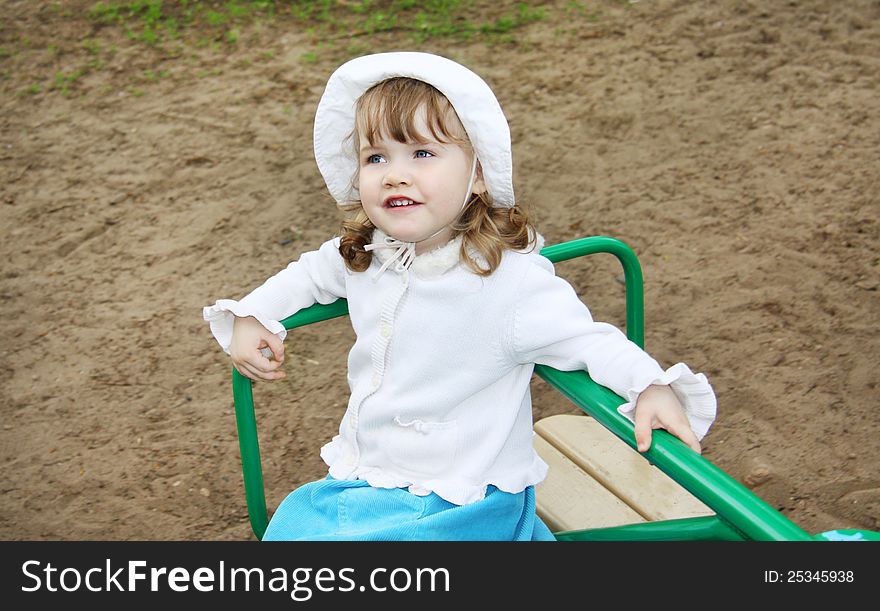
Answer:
(479, 183)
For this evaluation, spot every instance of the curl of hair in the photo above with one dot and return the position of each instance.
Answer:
(489, 231)
(356, 232)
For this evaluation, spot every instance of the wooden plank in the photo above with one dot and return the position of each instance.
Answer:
(569, 499)
(619, 468)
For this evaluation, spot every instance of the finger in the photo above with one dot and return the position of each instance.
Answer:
(276, 346)
(253, 374)
(266, 351)
(694, 443)
(643, 431)
(261, 363)
(264, 360)
(259, 374)
(248, 370)
(683, 431)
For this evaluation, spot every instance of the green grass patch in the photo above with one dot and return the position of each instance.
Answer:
(92, 46)
(151, 76)
(155, 22)
(64, 81)
(510, 21)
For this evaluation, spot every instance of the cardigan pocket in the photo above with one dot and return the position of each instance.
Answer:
(425, 448)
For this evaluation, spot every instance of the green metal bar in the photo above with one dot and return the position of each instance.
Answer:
(704, 528)
(316, 313)
(730, 500)
(632, 274)
(246, 422)
(249, 445)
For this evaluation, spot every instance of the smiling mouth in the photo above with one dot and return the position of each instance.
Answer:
(400, 202)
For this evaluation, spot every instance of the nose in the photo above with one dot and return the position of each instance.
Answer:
(396, 174)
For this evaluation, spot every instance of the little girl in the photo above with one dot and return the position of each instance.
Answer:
(452, 306)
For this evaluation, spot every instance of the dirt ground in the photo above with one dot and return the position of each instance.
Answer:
(733, 144)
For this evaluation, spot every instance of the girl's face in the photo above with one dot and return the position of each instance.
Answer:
(412, 190)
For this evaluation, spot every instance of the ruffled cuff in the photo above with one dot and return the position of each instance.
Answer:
(221, 317)
(693, 390)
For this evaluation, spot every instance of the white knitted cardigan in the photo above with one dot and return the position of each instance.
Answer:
(439, 373)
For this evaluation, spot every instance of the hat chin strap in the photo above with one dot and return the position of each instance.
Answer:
(405, 252)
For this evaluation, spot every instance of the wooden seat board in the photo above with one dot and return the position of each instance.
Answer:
(619, 468)
(569, 499)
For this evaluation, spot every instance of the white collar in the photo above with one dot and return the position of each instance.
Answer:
(427, 265)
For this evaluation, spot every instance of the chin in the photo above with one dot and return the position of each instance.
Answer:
(405, 234)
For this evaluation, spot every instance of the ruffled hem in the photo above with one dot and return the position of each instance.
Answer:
(455, 491)
(221, 317)
(693, 390)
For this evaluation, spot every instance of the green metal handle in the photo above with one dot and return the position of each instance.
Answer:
(734, 504)
(246, 422)
(632, 274)
(731, 501)
(249, 446)
(703, 528)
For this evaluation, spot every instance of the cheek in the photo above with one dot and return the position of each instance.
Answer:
(371, 201)
(369, 212)
(365, 185)
(371, 173)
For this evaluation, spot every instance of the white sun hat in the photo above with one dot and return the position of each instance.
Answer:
(470, 96)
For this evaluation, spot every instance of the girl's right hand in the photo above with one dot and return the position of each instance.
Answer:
(248, 338)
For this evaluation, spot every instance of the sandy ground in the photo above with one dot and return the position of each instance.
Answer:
(734, 145)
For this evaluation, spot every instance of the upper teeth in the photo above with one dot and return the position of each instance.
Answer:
(400, 202)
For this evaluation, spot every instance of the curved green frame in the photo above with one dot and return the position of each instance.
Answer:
(740, 514)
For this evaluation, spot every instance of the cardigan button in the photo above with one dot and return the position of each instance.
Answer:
(376, 379)
(386, 330)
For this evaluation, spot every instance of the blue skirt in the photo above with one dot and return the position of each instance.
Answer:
(352, 510)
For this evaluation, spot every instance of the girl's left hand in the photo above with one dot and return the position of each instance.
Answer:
(658, 408)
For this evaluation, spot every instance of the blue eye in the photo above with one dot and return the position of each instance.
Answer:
(375, 159)
(423, 154)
